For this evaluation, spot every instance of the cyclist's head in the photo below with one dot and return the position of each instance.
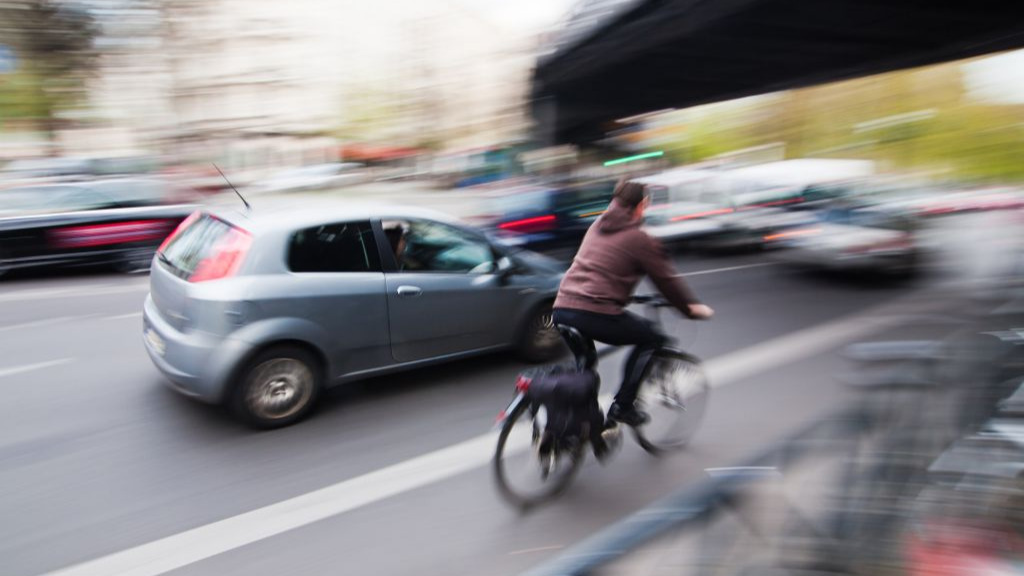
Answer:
(632, 195)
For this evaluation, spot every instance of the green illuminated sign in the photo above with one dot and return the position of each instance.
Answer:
(632, 158)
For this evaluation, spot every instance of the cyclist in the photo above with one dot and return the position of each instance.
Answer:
(614, 256)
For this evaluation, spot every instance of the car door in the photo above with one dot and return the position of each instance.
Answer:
(444, 294)
(338, 284)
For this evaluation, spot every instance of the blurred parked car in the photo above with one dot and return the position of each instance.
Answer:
(118, 222)
(316, 177)
(261, 310)
(78, 167)
(47, 168)
(548, 216)
(852, 238)
(731, 208)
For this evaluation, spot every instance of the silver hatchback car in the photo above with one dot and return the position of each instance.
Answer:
(262, 310)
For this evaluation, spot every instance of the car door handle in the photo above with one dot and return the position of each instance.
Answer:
(409, 291)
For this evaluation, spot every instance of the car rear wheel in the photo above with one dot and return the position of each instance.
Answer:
(4, 266)
(540, 339)
(135, 261)
(279, 387)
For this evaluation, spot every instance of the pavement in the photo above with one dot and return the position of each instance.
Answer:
(104, 470)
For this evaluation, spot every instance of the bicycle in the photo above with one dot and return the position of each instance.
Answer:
(674, 392)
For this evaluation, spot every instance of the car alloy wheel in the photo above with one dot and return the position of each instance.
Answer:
(279, 389)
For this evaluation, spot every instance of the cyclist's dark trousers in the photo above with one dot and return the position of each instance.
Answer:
(619, 330)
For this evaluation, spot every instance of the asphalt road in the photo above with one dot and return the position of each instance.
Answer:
(99, 460)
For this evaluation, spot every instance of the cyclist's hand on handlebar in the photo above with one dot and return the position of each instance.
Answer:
(699, 311)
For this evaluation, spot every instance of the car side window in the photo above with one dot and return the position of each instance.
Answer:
(343, 247)
(425, 246)
(84, 199)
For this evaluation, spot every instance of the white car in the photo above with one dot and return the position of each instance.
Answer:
(863, 239)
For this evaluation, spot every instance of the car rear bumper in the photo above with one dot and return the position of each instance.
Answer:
(866, 262)
(187, 360)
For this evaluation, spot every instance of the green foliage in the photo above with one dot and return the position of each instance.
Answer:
(53, 42)
(910, 120)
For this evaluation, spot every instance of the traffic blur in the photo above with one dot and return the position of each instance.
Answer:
(919, 474)
(363, 211)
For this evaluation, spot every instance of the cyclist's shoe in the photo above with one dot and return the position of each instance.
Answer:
(628, 415)
(607, 444)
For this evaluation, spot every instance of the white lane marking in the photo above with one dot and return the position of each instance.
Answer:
(735, 366)
(46, 293)
(728, 269)
(538, 549)
(187, 547)
(124, 316)
(38, 323)
(30, 367)
(184, 548)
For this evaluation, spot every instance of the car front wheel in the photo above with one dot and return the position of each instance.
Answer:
(279, 387)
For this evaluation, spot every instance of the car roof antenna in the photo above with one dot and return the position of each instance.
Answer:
(244, 201)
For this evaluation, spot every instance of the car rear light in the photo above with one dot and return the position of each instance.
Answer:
(898, 244)
(107, 234)
(528, 225)
(225, 257)
(792, 234)
(181, 228)
(702, 214)
(774, 203)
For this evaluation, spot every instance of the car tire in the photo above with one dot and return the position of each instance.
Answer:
(539, 339)
(4, 266)
(278, 387)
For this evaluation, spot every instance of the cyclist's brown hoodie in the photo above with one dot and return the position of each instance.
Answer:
(615, 255)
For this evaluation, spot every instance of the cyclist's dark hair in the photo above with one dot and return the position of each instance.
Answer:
(630, 194)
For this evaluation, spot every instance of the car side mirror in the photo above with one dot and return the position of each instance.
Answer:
(505, 268)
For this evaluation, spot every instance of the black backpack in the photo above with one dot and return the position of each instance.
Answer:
(569, 396)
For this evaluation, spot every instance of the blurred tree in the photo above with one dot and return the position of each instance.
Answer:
(54, 45)
(921, 120)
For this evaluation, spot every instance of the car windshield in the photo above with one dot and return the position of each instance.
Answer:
(132, 192)
(866, 219)
(527, 202)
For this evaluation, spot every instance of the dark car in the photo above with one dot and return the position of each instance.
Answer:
(119, 222)
(550, 217)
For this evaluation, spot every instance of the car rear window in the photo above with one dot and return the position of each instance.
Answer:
(344, 247)
(193, 244)
(585, 200)
(527, 202)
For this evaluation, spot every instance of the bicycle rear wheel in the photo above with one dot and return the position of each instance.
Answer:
(528, 469)
(675, 394)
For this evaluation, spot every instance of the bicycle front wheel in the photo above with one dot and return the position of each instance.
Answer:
(528, 467)
(675, 395)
